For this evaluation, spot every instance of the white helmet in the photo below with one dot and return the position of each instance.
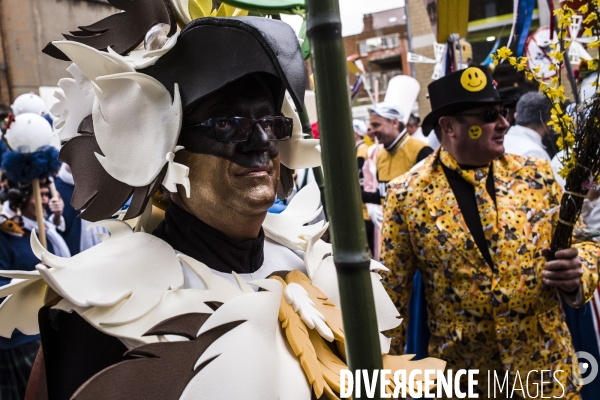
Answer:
(359, 127)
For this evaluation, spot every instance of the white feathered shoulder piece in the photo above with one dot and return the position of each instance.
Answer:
(275, 342)
(123, 286)
(136, 122)
(290, 227)
(298, 152)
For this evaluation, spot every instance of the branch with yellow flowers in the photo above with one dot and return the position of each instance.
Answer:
(578, 127)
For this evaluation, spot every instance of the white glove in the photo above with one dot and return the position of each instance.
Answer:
(375, 212)
(296, 296)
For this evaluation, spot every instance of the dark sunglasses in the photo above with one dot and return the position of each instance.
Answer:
(490, 115)
(239, 129)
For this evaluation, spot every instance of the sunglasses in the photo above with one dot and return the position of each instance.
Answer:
(490, 115)
(239, 129)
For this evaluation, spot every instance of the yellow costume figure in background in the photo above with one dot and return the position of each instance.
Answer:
(393, 162)
(499, 318)
(361, 150)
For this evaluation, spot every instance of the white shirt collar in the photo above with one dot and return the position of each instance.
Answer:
(7, 211)
(65, 175)
(395, 142)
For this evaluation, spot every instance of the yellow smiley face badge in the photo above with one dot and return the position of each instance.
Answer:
(475, 132)
(473, 79)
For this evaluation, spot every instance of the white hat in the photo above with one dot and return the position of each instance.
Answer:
(28, 132)
(28, 103)
(387, 110)
(359, 127)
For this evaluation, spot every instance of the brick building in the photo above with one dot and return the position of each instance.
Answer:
(488, 20)
(26, 26)
(382, 47)
(421, 42)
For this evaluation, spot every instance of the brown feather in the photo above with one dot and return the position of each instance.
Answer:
(330, 365)
(95, 190)
(123, 31)
(162, 371)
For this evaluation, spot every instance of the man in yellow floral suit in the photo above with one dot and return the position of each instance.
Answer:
(477, 224)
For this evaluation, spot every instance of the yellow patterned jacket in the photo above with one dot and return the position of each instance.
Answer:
(501, 318)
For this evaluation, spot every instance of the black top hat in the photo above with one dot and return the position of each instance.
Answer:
(212, 52)
(459, 91)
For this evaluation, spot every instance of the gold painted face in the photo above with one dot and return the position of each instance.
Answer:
(473, 79)
(229, 179)
(475, 132)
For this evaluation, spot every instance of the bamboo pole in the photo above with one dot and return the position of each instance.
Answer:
(39, 212)
(52, 186)
(342, 190)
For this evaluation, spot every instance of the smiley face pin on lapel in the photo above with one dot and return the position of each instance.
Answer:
(475, 132)
(473, 79)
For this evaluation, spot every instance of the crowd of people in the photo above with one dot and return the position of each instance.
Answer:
(66, 234)
(466, 252)
(458, 206)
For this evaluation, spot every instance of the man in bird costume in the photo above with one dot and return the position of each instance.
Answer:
(206, 114)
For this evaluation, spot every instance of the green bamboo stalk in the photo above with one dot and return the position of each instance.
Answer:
(342, 190)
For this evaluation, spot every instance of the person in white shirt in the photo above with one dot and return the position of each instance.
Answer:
(413, 127)
(525, 138)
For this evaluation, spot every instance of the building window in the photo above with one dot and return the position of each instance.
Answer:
(482, 9)
(389, 42)
(383, 78)
(362, 46)
(379, 43)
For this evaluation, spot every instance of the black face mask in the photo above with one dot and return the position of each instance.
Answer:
(248, 97)
(257, 151)
(239, 129)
